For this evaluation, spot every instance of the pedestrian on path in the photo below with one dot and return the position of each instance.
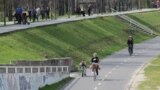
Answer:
(47, 13)
(89, 10)
(34, 14)
(42, 13)
(19, 11)
(30, 11)
(82, 11)
(78, 10)
(25, 16)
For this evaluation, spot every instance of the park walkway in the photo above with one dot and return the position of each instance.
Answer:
(118, 70)
(11, 28)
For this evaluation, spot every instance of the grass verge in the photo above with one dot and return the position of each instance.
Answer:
(152, 74)
(150, 19)
(74, 39)
(58, 85)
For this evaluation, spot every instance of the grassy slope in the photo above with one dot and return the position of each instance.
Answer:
(150, 19)
(152, 73)
(58, 85)
(76, 39)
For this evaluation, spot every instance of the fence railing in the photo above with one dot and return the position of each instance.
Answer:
(137, 24)
(33, 69)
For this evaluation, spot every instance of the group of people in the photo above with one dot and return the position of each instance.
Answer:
(94, 62)
(80, 10)
(95, 59)
(23, 16)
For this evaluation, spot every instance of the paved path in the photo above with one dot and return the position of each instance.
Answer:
(118, 69)
(12, 28)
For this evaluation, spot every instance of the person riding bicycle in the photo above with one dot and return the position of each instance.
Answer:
(130, 44)
(83, 67)
(95, 61)
(83, 64)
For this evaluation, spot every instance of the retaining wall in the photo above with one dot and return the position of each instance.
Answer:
(20, 76)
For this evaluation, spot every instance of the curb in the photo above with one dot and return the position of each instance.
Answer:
(131, 83)
(72, 84)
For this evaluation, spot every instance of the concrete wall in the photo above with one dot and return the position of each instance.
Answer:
(30, 78)
(31, 75)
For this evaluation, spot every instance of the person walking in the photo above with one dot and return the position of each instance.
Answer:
(78, 10)
(34, 14)
(38, 12)
(24, 17)
(89, 10)
(82, 11)
(19, 11)
(30, 13)
(47, 13)
(42, 13)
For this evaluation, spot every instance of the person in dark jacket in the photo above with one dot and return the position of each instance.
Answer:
(43, 13)
(30, 14)
(130, 44)
(95, 60)
(89, 10)
(34, 14)
(47, 12)
(19, 11)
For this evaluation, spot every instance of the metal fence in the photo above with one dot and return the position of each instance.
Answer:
(59, 8)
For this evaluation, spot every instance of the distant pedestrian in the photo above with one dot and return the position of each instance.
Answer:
(78, 10)
(47, 13)
(157, 3)
(30, 14)
(38, 12)
(82, 11)
(34, 14)
(89, 10)
(43, 13)
(25, 17)
(19, 11)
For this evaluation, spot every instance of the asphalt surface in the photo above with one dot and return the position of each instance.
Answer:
(118, 69)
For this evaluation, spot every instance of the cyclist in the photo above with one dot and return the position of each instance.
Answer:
(95, 62)
(130, 45)
(83, 67)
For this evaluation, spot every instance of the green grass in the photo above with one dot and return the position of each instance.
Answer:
(75, 39)
(58, 85)
(152, 73)
(150, 19)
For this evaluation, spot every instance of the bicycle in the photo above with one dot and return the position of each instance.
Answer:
(95, 70)
(130, 49)
(83, 70)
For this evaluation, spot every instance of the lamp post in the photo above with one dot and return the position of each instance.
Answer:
(4, 8)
